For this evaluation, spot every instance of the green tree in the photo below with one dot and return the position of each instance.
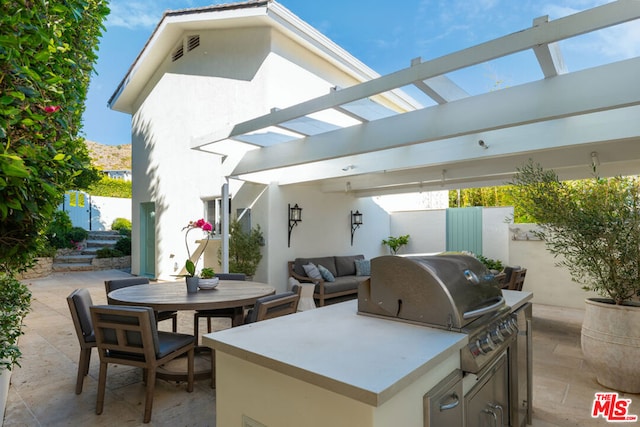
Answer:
(111, 187)
(593, 224)
(244, 248)
(47, 52)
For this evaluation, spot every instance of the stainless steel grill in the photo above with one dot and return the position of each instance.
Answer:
(452, 292)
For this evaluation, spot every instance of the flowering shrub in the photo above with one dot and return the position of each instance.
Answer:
(203, 225)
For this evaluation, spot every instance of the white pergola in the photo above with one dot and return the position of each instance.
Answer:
(350, 140)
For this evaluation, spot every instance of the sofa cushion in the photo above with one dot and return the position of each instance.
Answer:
(346, 266)
(328, 262)
(312, 271)
(363, 267)
(342, 283)
(326, 274)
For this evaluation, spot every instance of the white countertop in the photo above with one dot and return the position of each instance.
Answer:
(362, 357)
(516, 299)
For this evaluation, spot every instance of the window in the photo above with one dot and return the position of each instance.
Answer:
(213, 213)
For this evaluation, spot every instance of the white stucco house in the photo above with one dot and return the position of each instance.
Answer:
(206, 69)
(249, 95)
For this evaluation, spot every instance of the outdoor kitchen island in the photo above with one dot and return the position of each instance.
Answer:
(332, 367)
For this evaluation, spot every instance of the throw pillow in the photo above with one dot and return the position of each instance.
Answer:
(312, 271)
(363, 267)
(326, 274)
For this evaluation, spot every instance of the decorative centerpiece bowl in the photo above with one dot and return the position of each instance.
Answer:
(208, 283)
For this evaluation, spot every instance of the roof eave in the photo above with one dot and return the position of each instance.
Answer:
(174, 23)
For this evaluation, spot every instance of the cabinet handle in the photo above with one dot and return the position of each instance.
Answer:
(499, 408)
(450, 405)
(493, 414)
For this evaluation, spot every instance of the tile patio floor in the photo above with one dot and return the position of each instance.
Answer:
(42, 390)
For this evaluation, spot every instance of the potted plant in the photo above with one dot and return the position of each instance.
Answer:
(191, 278)
(593, 226)
(395, 243)
(208, 279)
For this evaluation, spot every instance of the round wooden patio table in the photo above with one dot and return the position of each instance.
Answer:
(172, 296)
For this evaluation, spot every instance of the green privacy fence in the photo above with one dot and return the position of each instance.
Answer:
(464, 229)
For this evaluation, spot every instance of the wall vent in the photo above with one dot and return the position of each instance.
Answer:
(193, 42)
(177, 54)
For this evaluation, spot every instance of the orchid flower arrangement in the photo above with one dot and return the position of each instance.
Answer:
(203, 225)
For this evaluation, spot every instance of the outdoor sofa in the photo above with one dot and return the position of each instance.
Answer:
(334, 276)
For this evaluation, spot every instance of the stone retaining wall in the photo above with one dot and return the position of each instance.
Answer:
(42, 268)
(111, 263)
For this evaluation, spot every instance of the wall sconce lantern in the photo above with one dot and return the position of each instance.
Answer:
(356, 222)
(295, 216)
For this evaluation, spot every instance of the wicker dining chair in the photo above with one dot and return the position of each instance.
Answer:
(127, 335)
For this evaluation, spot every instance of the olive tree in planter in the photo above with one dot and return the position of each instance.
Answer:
(594, 226)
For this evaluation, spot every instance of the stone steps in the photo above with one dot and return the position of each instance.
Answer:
(83, 260)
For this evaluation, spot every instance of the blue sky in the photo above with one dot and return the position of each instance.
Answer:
(384, 35)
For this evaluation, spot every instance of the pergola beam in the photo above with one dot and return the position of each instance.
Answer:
(545, 33)
(567, 95)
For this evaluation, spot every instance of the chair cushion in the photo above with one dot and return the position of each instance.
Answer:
(345, 283)
(171, 341)
(345, 265)
(82, 301)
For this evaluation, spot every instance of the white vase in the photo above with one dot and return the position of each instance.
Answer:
(611, 344)
(192, 284)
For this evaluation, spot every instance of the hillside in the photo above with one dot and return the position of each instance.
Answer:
(110, 157)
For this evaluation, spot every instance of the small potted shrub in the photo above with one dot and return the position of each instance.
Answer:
(395, 243)
(208, 279)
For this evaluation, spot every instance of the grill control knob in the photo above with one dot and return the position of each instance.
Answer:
(506, 328)
(486, 345)
(496, 336)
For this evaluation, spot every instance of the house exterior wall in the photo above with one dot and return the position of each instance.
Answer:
(234, 75)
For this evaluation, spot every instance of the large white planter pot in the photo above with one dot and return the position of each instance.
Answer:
(611, 344)
(5, 380)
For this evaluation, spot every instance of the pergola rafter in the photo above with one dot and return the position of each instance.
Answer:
(455, 124)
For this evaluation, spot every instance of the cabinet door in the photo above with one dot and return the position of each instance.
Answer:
(443, 404)
(487, 403)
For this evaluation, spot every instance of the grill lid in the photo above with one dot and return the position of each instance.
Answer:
(446, 291)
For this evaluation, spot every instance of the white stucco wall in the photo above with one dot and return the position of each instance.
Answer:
(106, 209)
(495, 232)
(426, 230)
(550, 284)
(325, 228)
(231, 77)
